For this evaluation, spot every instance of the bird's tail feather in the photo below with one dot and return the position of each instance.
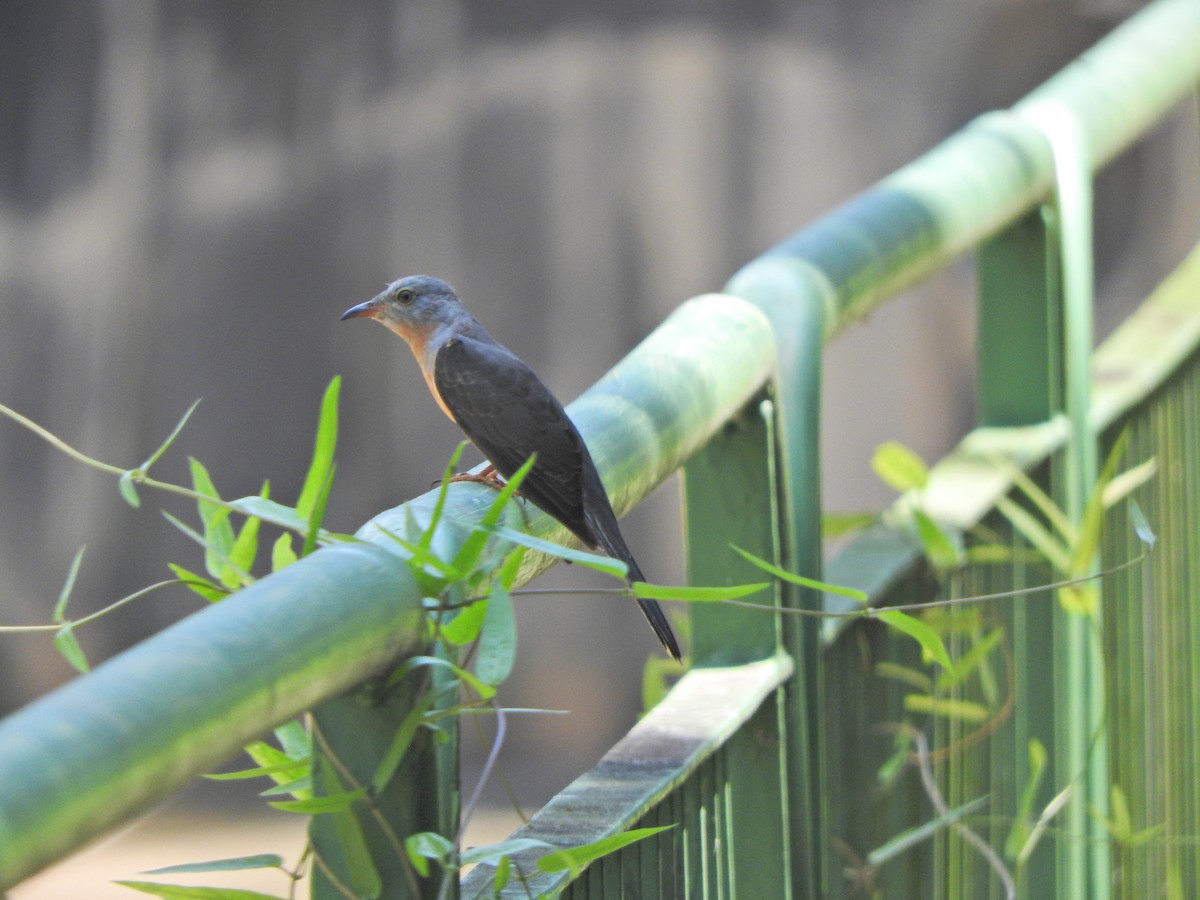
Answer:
(650, 608)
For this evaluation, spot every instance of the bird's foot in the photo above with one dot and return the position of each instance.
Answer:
(488, 476)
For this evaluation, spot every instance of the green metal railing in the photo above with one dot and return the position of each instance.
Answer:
(764, 756)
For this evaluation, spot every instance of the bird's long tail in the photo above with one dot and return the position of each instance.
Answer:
(615, 547)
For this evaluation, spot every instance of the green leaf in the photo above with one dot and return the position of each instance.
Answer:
(207, 589)
(605, 564)
(357, 864)
(68, 645)
(60, 608)
(1022, 828)
(282, 554)
(939, 547)
(270, 511)
(963, 710)
(1039, 537)
(472, 548)
(154, 457)
(904, 674)
(257, 772)
(185, 892)
(1121, 486)
(1141, 527)
(578, 857)
(320, 470)
(913, 836)
(218, 533)
(486, 691)
(318, 515)
(836, 525)
(236, 864)
(424, 846)
(1042, 501)
(969, 661)
(498, 639)
(127, 490)
(295, 740)
(400, 742)
(785, 575)
(439, 505)
(701, 594)
(313, 806)
(231, 571)
(465, 626)
(930, 640)
(245, 546)
(494, 854)
(899, 467)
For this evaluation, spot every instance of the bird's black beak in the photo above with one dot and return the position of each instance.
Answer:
(370, 308)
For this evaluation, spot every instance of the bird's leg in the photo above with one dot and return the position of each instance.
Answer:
(488, 476)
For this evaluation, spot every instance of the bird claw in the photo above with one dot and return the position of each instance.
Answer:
(488, 477)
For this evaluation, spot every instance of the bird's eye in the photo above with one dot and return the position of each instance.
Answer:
(404, 296)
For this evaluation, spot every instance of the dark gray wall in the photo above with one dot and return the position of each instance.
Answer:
(191, 193)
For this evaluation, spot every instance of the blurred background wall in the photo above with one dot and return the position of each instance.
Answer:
(191, 193)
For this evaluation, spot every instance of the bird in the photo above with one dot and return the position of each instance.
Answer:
(509, 414)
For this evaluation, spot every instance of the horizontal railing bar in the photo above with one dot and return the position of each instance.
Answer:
(658, 754)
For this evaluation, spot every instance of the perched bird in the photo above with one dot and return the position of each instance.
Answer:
(508, 413)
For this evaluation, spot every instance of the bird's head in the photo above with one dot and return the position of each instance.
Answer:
(414, 307)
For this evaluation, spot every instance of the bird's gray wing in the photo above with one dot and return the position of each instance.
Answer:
(509, 414)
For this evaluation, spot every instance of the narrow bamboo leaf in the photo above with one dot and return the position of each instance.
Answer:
(947, 708)
(578, 857)
(974, 657)
(282, 554)
(236, 577)
(498, 640)
(1092, 525)
(68, 645)
(245, 545)
(235, 864)
(930, 640)
(701, 594)
(127, 489)
(358, 866)
(899, 467)
(939, 547)
(836, 525)
(301, 788)
(272, 512)
(1141, 527)
(472, 548)
(318, 514)
(605, 564)
(464, 627)
(785, 575)
(504, 870)
(400, 743)
(199, 584)
(895, 764)
(279, 766)
(486, 691)
(186, 892)
(320, 469)
(60, 608)
(257, 772)
(1128, 481)
(1079, 599)
(439, 505)
(1042, 501)
(330, 803)
(424, 558)
(1022, 828)
(492, 854)
(218, 533)
(904, 674)
(1039, 537)
(162, 448)
(295, 740)
(913, 836)
(424, 846)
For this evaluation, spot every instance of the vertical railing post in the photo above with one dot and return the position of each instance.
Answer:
(793, 297)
